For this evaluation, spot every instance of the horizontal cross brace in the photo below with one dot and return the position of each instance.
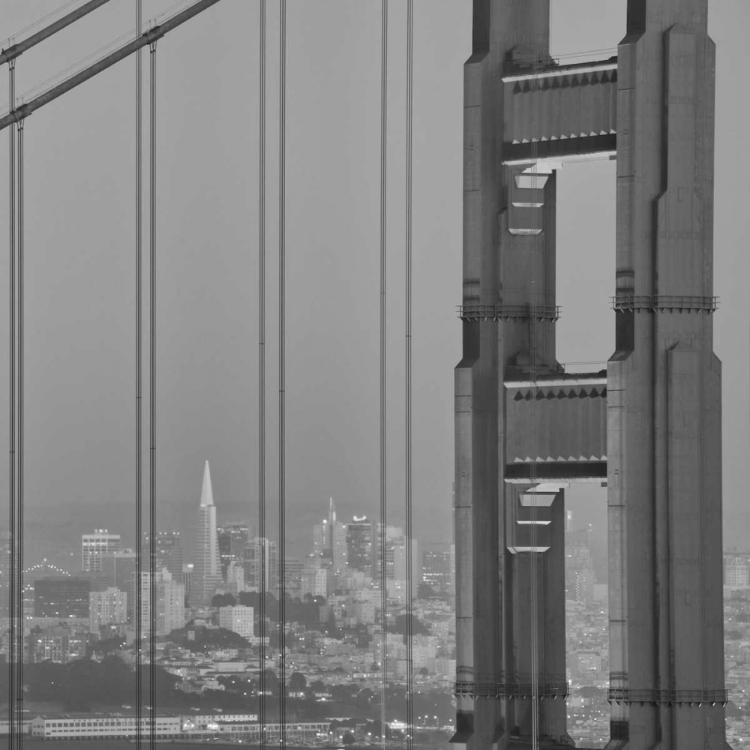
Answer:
(508, 312)
(573, 471)
(664, 303)
(518, 690)
(560, 113)
(667, 697)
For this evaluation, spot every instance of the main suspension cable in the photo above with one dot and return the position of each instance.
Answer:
(261, 543)
(408, 410)
(383, 355)
(282, 376)
(152, 404)
(138, 376)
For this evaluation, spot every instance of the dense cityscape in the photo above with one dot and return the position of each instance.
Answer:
(80, 634)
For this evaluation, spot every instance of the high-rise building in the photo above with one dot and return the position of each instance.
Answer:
(107, 607)
(252, 557)
(437, 567)
(207, 567)
(168, 552)
(359, 545)
(394, 537)
(170, 603)
(232, 542)
(293, 577)
(330, 543)
(117, 568)
(400, 571)
(93, 546)
(62, 597)
(237, 619)
(321, 540)
(4, 577)
(579, 566)
(187, 575)
(736, 571)
(339, 550)
(118, 571)
(314, 580)
(235, 582)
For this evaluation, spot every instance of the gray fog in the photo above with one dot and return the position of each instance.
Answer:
(80, 239)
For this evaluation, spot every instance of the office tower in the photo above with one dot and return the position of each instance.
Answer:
(321, 540)
(108, 607)
(339, 550)
(207, 567)
(579, 566)
(330, 543)
(293, 577)
(118, 568)
(399, 564)
(736, 571)
(314, 579)
(237, 619)
(394, 536)
(232, 541)
(62, 597)
(93, 546)
(168, 552)
(359, 545)
(118, 571)
(235, 582)
(437, 567)
(251, 561)
(170, 603)
(187, 575)
(4, 577)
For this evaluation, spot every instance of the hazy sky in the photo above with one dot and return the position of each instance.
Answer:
(80, 232)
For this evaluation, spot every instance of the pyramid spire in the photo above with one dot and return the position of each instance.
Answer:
(207, 493)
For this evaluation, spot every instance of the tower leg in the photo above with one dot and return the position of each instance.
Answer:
(538, 681)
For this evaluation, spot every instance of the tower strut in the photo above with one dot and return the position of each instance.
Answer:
(149, 37)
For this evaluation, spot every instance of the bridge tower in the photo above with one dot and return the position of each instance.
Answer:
(649, 426)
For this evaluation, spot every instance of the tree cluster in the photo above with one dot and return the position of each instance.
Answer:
(83, 683)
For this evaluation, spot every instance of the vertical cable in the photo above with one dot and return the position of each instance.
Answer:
(539, 241)
(383, 354)
(262, 375)
(152, 404)
(138, 373)
(20, 446)
(409, 530)
(282, 375)
(12, 411)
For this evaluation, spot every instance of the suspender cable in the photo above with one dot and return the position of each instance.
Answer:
(138, 372)
(409, 529)
(152, 404)
(282, 376)
(534, 561)
(20, 446)
(12, 653)
(262, 377)
(383, 354)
